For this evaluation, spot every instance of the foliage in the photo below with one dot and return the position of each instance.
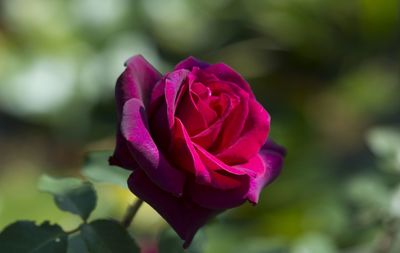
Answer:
(77, 197)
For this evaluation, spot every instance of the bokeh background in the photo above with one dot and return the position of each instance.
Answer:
(326, 70)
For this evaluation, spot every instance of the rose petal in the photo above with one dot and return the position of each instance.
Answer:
(163, 104)
(254, 135)
(234, 122)
(186, 155)
(208, 136)
(254, 167)
(173, 85)
(134, 128)
(272, 157)
(137, 81)
(183, 215)
(226, 73)
(188, 112)
(213, 163)
(191, 62)
(214, 198)
(122, 156)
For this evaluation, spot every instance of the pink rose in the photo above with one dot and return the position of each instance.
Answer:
(195, 140)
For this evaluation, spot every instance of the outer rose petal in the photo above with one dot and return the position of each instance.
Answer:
(272, 157)
(137, 81)
(134, 128)
(191, 62)
(122, 156)
(213, 198)
(184, 216)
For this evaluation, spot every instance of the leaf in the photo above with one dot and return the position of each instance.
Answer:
(70, 194)
(370, 195)
(76, 244)
(96, 169)
(262, 245)
(385, 143)
(27, 237)
(169, 242)
(108, 236)
(314, 243)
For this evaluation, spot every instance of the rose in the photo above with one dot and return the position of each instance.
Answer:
(195, 140)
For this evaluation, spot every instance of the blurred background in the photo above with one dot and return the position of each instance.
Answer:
(327, 71)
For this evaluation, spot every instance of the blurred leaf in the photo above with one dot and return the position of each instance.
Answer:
(70, 194)
(76, 244)
(369, 194)
(395, 202)
(27, 237)
(96, 169)
(385, 143)
(170, 242)
(105, 236)
(262, 245)
(314, 243)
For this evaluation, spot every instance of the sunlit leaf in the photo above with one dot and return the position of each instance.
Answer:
(27, 237)
(106, 236)
(96, 169)
(70, 194)
(262, 245)
(314, 243)
(385, 143)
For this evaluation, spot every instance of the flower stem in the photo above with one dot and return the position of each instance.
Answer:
(73, 230)
(131, 212)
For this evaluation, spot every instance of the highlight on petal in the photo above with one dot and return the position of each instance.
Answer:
(134, 128)
(137, 81)
(184, 216)
(173, 84)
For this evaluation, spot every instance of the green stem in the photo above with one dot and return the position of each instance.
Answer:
(131, 212)
(73, 230)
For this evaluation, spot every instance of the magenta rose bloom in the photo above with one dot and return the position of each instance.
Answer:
(195, 140)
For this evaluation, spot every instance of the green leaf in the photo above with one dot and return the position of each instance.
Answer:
(371, 195)
(70, 194)
(108, 236)
(314, 243)
(76, 244)
(385, 143)
(170, 242)
(96, 169)
(27, 237)
(262, 245)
